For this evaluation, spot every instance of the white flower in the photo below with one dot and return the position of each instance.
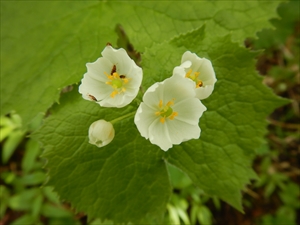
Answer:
(169, 113)
(112, 80)
(200, 71)
(101, 133)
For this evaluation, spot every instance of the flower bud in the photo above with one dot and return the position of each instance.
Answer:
(101, 133)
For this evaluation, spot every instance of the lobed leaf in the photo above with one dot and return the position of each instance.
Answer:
(234, 123)
(124, 181)
(44, 45)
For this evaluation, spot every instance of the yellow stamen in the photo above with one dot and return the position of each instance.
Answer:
(170, 103)
(166, 111)
(114, 93)
(188, 73)
(116, 75)
(162, 120)
(109, 76)
(160, 103)
(194, 77)
(173, 115)
(116, 82)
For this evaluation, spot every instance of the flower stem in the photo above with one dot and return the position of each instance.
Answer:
(122, 117)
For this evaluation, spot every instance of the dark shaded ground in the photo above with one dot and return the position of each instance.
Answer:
(282, 139)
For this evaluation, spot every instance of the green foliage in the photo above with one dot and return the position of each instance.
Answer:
(4, 196)
(21, 191)
(187, 197)
(11, 130)
(233, 115)
(274, 182)
(127, 174)
(45, 47)
(284, 26)
(278, 163)
(128, 180)
(270, 177)
(32, 151)
(114, 176)
(286, 214)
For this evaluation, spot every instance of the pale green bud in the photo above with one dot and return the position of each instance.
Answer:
(101, 133)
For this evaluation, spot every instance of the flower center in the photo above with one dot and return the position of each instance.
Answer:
(166, 111)
(194, 76)
(117, 82)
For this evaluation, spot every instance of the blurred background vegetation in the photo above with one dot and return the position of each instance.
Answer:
(272, 199)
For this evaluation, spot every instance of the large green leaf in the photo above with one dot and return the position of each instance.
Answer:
(124, 181)
(44, 48)
(219, 162)
(155, 22)
(44, 45)
(234, 124)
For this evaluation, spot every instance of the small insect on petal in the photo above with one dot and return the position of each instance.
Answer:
(113, 70)
(92, 97)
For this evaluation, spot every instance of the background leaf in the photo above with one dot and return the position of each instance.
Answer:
(219, 162)
(234, 123)
(123, 181)
(44, 45)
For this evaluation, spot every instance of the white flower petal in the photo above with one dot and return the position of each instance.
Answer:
(189, 111)
(180, 131)
(177, 88)
(158, 135)
(151, 99)
(135, 75)
(180, 70)
(93, 90)
(101, 133)
(206, 71)
(120, 100)
(204, 92)
(144, 118)
(118, 57)
(98, 69)
(188, 56)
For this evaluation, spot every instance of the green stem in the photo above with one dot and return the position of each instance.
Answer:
(122, 117)
(138, 101)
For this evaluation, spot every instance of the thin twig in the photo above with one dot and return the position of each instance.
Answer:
(284, 125)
